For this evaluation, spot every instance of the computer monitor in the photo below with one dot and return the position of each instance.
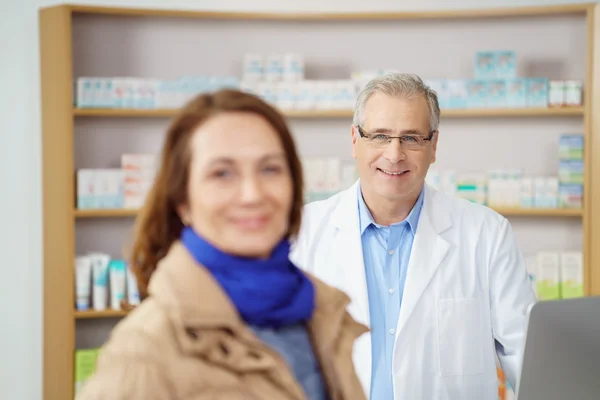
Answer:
(561, 360)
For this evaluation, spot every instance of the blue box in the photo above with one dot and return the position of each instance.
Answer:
(439, 86)
(537, 92)
(570, 196)
(516, 93)
(484, 65)
(571, 171)
(496, 93)
(570, 147)
(476, 93)
(505, 64)
(456, 91)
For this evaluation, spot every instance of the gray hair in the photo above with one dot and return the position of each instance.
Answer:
(399, 85)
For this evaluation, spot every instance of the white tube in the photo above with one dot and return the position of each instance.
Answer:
(118, 278)
(83, 282)
(100, 271)
(133, 292)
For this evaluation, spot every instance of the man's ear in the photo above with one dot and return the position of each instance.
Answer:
(434, 142)
(354, 134)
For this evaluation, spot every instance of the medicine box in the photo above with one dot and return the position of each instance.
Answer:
(570, 147)
(496, 93)
(571, 275)
(573, 93)
(571, 171)
(456, 91)
(516, 92)
(527, 193)
(570, 196)
(505, 64)
(476, 93)
(86, 189)
(439, 86)
(484, 65)
(556, 94)
(548, 275)
(537, 92)
(85, 366)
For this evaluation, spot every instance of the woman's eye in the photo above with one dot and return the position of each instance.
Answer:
(222, 173)
(272, 169)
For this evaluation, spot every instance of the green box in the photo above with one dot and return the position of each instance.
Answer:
(85, 366)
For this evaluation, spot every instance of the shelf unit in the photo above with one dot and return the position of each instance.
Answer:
(508, 212)
(59, 119)
(452, 113)
(91, 314)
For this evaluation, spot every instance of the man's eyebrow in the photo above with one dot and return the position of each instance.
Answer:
(388, 131)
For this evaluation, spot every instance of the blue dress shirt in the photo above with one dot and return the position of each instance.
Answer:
(386, 253)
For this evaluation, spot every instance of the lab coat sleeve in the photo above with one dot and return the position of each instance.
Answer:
(511, 296)
(299, 246)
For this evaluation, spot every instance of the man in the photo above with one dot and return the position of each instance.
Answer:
(439, 280)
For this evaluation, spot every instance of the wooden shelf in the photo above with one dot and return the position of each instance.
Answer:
(540, 212)
(106, 213)
(513, 212)
(92, 314)
(448, 113)
(498, 12)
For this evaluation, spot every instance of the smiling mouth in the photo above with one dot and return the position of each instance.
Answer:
(393, 173)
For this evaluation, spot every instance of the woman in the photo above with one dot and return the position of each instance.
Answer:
(226, 315)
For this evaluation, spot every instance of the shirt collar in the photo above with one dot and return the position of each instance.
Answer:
(366, 219)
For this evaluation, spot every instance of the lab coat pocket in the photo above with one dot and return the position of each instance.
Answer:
(459, 335)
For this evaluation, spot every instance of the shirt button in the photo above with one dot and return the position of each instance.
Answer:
(392, 331)
(391, 291)
(391, 252)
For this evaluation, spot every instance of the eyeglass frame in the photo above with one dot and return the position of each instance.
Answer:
(363, 136)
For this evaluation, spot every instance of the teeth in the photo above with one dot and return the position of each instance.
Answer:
(390, 173)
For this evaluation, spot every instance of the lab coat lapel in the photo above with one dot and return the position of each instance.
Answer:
(428, 252)
(347, 246)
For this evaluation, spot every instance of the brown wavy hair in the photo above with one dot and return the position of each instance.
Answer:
(159, 224)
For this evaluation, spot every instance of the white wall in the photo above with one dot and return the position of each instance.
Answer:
(20, 197)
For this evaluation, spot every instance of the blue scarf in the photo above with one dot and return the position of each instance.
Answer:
(267, 293)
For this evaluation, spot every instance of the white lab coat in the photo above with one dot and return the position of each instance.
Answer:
(466, 297)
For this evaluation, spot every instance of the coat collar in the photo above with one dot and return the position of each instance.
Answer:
(199, 306)
(429, 249)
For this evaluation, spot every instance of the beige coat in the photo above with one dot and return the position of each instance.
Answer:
(186, 341)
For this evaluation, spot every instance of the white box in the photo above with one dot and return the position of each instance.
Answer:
(274, 68)
(85, 92)
(324, 91)
(333, 175)
(86, 198)
(527, 193)
(571, 274)
(449, 182)
(254, 66)
(293, 67)
(539, 192)
(306, 95)
(286, 96)
(552, 185)
(531, 266)
(573, 93)
(548, 275)
(268, 92)
(110, 183)
(349, 175)
(556, 95)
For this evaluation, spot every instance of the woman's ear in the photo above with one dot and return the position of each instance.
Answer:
(184, 214)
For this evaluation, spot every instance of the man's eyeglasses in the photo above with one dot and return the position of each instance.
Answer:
(408, 142)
